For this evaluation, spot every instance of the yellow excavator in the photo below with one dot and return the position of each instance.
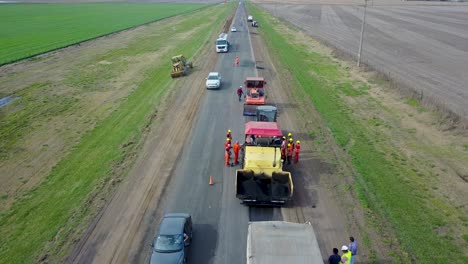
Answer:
(180, 66)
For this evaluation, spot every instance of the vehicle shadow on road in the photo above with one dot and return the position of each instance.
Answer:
(307, 175)
(259, 213)
(203, 246)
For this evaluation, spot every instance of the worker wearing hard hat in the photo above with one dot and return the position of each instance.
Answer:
(297, 150)
(228, 134)
(227, 150)
(289, 153)
(227, 145)
(346, 257)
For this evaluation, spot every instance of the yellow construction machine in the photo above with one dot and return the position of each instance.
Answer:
(262, 181)
(180, 66)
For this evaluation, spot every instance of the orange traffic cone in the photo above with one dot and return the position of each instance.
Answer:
(211, 180)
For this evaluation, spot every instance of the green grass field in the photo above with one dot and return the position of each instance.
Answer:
(387, 184)
(43, 218)
(30, 29)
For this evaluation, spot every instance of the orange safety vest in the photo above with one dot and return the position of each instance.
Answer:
(298, 148)
(290, 151)
(236, 148)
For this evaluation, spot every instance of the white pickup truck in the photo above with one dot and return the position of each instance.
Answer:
(277, 242)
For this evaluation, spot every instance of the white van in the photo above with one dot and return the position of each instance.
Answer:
(222, 44)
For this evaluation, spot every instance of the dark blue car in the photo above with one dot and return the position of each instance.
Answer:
(174, 237)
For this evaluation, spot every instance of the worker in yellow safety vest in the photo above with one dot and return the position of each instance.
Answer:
(346, 257)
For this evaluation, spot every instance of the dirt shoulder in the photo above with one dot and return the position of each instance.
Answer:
(318, 177)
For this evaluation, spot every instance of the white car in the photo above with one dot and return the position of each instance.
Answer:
(213, 81)
(233, 29)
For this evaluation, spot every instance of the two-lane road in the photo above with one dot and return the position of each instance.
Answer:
(220, 221)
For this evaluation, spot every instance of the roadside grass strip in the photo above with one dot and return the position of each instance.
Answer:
(392, 189)
(51, 211)
(30, 29)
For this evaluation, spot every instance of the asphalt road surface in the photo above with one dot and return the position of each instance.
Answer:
(220, 221)
(422, 47)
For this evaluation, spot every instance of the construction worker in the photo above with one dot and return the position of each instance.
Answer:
(227, 149)
(289, 153)
(240, 92)
(297, 149)
(227, 157)
(228, 134)
(291, 141)
(346, 257)
(283, 148)
(283, 142)
(236, 152)
(237, 61)
(283, 151)
(289, 135)
(227, 145)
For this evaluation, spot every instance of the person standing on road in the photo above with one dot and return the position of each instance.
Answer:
(291, 141)
(283, 141)
(227, 149)
(236, 152)
(297, 150)
(227, 157)
(334, 258)
(283, 149)
(240, 92)
(346, 257)
(228, 134)
(353, 248)
(227, 145)
(289, 153)
(237, 61)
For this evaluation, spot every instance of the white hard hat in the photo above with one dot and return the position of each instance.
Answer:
(344, 248)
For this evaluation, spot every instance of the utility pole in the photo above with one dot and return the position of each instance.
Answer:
(362, 34)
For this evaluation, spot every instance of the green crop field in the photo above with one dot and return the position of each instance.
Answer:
(30, 29)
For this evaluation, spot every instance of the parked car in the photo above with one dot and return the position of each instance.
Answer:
(213, 81)
(233, 29)
(173, 239)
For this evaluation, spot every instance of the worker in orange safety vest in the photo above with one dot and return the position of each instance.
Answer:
(227, 149)
(236, 152)
(289, 153)
(297, 150)
(291, 141)
(283, 149)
